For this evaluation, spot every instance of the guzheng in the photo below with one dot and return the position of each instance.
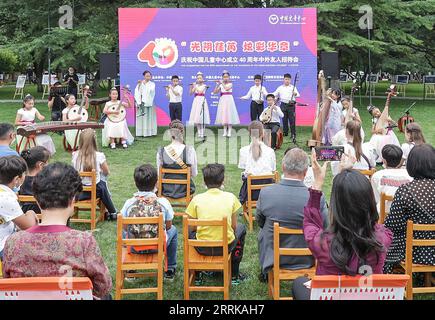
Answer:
(54, 126)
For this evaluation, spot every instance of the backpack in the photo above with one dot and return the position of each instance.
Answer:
(144, 207)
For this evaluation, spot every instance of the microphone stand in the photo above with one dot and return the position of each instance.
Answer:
(407, 111)
(204, 137)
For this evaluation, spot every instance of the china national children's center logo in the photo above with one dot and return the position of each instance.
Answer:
(161, 53)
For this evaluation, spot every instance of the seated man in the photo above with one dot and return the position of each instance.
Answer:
(284, 203)
(7, 136)
(272, 124)
(392, 177)
(215, 204)
(145, 203)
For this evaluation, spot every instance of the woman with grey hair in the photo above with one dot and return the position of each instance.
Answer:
(177, 155)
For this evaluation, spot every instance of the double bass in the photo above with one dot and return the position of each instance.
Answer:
(323, 106)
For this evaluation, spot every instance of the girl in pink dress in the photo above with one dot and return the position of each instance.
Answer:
(227, 112)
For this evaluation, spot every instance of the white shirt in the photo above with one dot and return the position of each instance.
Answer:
(362, 164)
(264, 165)
(406, 148)
(191, 158)
(100, 158)
(254, 93)
(9, 210)
(172, 97)
(276, 114)
(145, 92)
(388, 181)
(284, 93)
(27, 115)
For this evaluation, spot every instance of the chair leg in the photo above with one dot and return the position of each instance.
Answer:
(251, 223)
(276, 288)
(186, 283)
(409, 286)
(227, 279)
(93, 218)
(118, 284)
(270, 283)
(160, 284)
(102, 211)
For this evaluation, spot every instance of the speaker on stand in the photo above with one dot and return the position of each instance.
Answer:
(108, 67)
(331, 68)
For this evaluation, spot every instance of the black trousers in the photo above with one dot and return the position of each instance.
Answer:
(175, 111)
(273, 127)
(102, 193)
(235, 247)
(56, 116)
(300, 292)
(256, 110)
(289, 110)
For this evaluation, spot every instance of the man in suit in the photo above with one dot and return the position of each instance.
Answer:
(284, 203)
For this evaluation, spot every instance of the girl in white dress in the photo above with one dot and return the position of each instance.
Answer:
(116, 130)
(413, 136)
(26, 116)
(339, 139)
(227, 112)
(197, 116)
(72, 136)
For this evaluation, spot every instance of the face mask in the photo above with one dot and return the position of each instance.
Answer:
(16, 189)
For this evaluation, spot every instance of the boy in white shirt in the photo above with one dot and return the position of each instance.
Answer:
(392, 177)
(287, 94)
(257, 93)
(274, 123)
(174, 92)
(12, 174)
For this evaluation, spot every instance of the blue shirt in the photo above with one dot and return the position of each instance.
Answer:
(7, 151)
(168, 212)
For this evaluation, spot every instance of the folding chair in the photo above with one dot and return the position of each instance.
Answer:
(179, 202)
(250, 204)
(383, 211)
(411, 267)
(28, 199)
(150, 262)
(46, 288)
(93, 204)
(369, 172)
(194, 262)
(385, 287)
(277, 274)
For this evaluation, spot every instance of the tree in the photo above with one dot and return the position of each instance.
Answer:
(8, 61)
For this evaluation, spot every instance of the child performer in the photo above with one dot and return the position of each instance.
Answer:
(257, 93)
(72, 136)
(146, 119)
(333, 121)
(116, 130)
(199, 115)
(271, 118)
(174, 92)
(227, 112)
(26, 116)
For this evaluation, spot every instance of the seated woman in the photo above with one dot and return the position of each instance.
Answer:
(36, 159)
(256, 159)
(86, 159)
(414, 137)
(51, 249)
(354, 243)
(363, 154)
(177, 156)
(413, 201)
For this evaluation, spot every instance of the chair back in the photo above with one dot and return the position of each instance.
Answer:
(46, 288)
(374, 287)
(29, 199)
(181, 172)
(369, 172)
(383, 211)
(252, 186)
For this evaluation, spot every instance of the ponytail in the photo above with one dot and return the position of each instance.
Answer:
(256, 133)
(354, 130)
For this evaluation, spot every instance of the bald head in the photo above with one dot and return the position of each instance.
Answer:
(295, 164)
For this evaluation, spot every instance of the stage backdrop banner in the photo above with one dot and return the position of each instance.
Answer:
(244, 42)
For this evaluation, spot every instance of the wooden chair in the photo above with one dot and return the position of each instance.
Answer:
(180, 202)
(126, 261)
(382, 210)
(276, 275)
(374, 287)
(250, 204)
(93, 204)
(46, 288)
(194, 262)
(369, 172)
(29, 199)
(411, 267)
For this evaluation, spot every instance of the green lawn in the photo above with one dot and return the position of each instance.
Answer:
(123, 162)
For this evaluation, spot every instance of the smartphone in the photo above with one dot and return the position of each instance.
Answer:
(330, 153)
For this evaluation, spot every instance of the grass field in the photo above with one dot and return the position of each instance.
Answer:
(123, 162)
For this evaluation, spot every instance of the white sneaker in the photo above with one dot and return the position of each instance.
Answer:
(112, 146)
(124, 145)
